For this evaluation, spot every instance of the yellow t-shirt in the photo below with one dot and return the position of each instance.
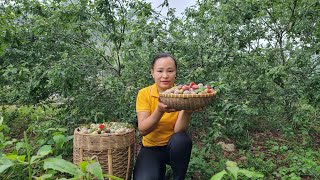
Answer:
(147, 101)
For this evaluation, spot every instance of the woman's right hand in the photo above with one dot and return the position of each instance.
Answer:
(147, 122)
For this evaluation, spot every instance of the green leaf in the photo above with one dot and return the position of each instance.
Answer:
(251, 174)
(62, 129)
(11, 156)
(231, 164)
(51, 129)
(44, 150)
(233, 171)
(5, 164)
(8, 142)
(62, 165)
(219, 175)
(20, 145)
(21, 158)
(41, 142)
(112, 177)
(34, 158)
(2, 48)
(95, 169)
(83, 165)
(68, 138)
(15, 157)
(59, 139)
(44, 177)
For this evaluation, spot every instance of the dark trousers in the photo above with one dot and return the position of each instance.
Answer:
(151, 161)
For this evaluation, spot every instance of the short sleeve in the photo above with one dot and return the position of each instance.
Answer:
(143, 101)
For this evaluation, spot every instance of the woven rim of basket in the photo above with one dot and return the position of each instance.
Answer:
(187, 95)
(106, 134)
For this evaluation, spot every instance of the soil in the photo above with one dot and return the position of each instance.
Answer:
(260, 143)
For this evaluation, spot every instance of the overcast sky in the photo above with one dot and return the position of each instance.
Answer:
(180, 5)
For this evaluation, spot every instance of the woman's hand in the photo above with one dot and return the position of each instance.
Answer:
(147, 122)
(164, 108)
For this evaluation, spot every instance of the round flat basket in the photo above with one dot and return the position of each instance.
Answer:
(186, 101)
(114, 152)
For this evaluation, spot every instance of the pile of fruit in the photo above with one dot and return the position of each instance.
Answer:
(106, 128)
(191, 88)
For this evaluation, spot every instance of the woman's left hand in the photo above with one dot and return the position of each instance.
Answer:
(164, 108)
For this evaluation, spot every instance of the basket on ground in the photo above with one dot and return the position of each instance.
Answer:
(115, 152)
(186, 101)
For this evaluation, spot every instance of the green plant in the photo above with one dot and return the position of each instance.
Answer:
(86, 170)
(58, 138)
(18, 156)
(201, 163)
(233, 171)
(32, 163)
(10, 160)
(298, 163)
(4, 140)
(261, 162)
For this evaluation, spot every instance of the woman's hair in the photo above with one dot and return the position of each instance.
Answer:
(163, 55)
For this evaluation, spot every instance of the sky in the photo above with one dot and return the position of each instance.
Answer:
(180, 5)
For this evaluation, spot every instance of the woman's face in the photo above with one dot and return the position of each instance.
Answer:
(164, 73)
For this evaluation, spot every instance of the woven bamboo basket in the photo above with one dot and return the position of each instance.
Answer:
(186, 101)
(115, 152)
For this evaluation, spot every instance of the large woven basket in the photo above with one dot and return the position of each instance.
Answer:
(115, 152)
(186, 101)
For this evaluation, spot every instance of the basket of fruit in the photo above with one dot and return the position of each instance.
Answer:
(111, 143)
(188, 96)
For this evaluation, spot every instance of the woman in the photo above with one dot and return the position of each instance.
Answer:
(164, 140)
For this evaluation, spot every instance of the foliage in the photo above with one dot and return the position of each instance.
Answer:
(202, 163)
(233, 171)
(86, 170)
(299, 163)
(285, 160)
(22, 158)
